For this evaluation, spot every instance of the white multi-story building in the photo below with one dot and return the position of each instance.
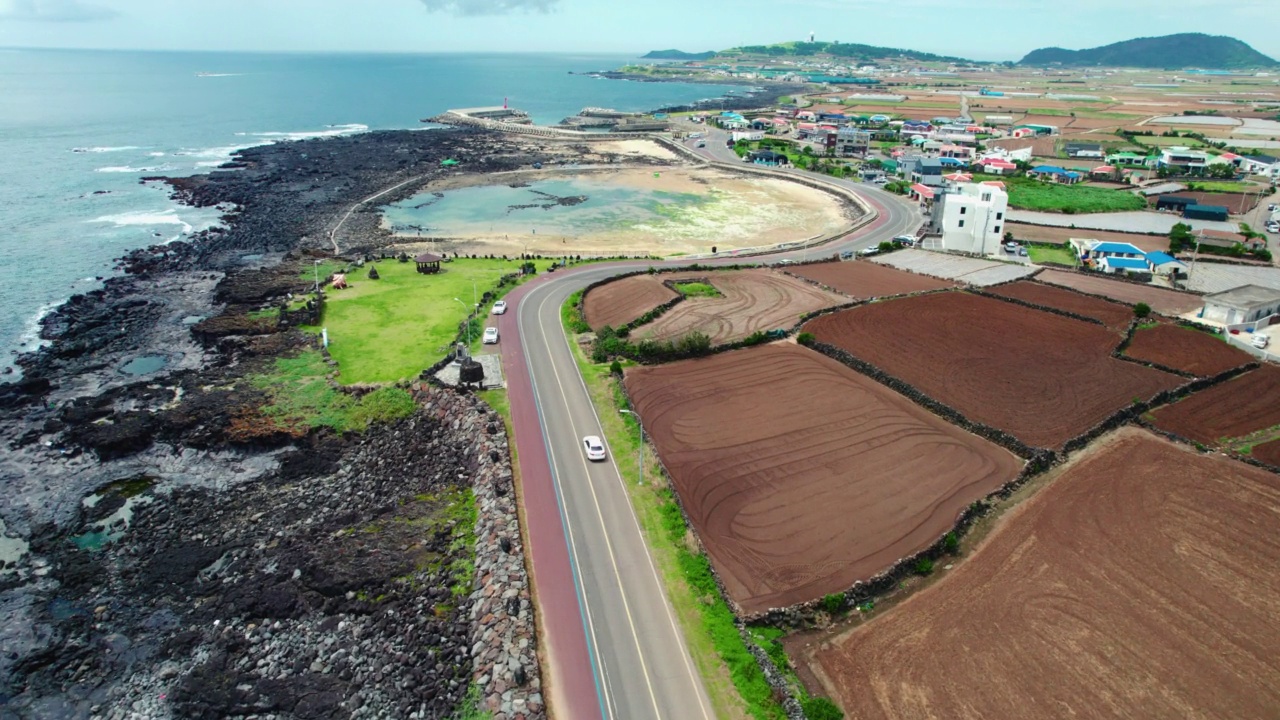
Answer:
(970, 217)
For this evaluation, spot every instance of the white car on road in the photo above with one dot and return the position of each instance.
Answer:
(593, 447)
(499, 307)
(490, 336)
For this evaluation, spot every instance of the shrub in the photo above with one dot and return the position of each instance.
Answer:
(951, 544)
(805, 338)
(820, 708)
(886, 246)
(833, 603)
(616, 368)
(924, 566)
(1141, 310)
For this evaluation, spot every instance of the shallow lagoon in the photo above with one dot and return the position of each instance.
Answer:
(551, 207)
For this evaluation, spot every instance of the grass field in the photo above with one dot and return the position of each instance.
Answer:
(389, 329)
(1030, 194)
(1161, 141)
(1045, 253)
(1226, 187)
(696, 289)
(302, 398)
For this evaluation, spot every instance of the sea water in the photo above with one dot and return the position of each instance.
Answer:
(78, 130)
(493, 210)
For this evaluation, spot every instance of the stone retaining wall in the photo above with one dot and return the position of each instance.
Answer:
(504, 643)
(1035, 306)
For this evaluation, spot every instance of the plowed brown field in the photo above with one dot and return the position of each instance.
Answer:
(1166, 302)
(752, 300)
(1139, 584)
(1186, 350)
(802, 476)
(1268, 452)
(1113, 315)
(1233, 409)
(1042, 377)
(862, 280)
(619, 302)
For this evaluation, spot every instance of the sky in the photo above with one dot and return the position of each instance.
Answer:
(978, 29)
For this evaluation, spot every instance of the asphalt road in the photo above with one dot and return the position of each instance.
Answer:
(612, 643)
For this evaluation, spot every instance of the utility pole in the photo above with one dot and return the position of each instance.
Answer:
(315, 265)
(640, 448)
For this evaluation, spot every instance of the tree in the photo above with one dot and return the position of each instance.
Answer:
(1180, 237)
(1141, 310)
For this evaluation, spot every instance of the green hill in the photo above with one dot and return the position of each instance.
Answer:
(1171, 51)
(853, 51)
(677, 55)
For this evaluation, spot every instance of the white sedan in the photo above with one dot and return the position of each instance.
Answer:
(490, 336)
(594, 447)
(499, 307)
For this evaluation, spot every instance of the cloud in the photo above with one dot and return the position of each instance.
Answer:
(54, 11)
(489, 7)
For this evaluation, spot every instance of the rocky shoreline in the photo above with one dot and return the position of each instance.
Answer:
(172, 550)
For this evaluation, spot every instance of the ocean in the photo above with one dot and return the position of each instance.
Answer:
(78, 129)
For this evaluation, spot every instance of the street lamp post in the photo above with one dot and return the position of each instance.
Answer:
(315, 265)
(640, 448)
(468, 321)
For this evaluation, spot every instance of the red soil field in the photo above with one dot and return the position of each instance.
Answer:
(1165, 302)
(1268, 452)
(1044, 378)
(1138, 584)
(862, 280)
(1238, 407)
(1185, 349)
(1113, 315)
(752, 300)
(1060, 235)
(802, 476)
(619, 302)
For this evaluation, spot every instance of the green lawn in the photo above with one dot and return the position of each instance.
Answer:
(302, 398)
(1044, 253)
(1030, 194)
(696, 289)
(1226, 187)
(1162, 141)
(393, 328)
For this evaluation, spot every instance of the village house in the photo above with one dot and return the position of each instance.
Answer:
(1127, 159)
(995, 166)
(1083, 150)
(1260, 165)
(851, 141)
(968, 217)
(1161, 263)
(1244, 304)
(1227, 240)
(1053, 173)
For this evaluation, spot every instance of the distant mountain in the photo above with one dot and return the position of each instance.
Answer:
(1171, 51)
(853, 51)
(677, 55)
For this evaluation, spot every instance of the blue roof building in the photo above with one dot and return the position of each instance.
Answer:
(1121, 264)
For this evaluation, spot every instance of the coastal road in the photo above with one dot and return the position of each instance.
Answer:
(611, 642)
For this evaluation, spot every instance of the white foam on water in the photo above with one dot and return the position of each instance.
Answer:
(145, 219)
(330, 131)
(30, 339)
(131, 169)
(121, 148)
(156, 154)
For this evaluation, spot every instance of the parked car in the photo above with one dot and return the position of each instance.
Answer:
(1271, 207)
(701, 144)
(1011, 247)
(490, 336)
(786, 261)
(867, 252)
(499, 307)
(1260, 341)
(882, 180)
(846, 255)
(1022, 251)
(1273, 227)
(905, 240)
(593, 447)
